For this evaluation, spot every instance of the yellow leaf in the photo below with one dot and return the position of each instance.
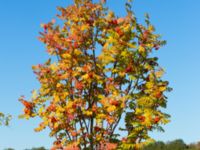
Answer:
(138, 111)
(124, 54)
(85, 76)
(56, 98)
(151, 28)
(159, 73)
(77, 52)
(88, 113)
(162, 88)
(40, 110)
(59, 85)
(121, 74)
(111, 108)
(101, 116)
(149, 85)
(111, 39)
(127, 28)
(66, 56)
(56, 124)
(150, 45)
(141, 49)
(54, 67)
(84, 27)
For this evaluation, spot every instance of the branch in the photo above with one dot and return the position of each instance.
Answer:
(81, 125)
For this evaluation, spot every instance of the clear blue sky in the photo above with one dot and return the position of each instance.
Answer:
(177, 20)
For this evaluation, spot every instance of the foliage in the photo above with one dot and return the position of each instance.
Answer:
(9, 149)
(194, 146)
(172, 145)
(4, 120)
(101, 68)
(156, 146)
(38, 148)
(176, 145)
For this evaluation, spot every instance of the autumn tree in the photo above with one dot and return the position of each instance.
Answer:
(101, 67)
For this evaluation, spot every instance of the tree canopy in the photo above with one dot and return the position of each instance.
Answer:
(101, 67)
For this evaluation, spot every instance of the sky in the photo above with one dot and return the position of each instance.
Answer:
(176, 20)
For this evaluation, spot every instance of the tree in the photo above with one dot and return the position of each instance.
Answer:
(176, 145)
(156, 146)
(194, 146)
(38, 148)
(101, 68)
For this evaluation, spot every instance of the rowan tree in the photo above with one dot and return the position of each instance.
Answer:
(102, 67)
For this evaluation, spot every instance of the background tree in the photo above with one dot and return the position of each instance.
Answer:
(37, 148)
(156, 146)
(194, 146)
(178, 144)
(9, 149)
(101, 68)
